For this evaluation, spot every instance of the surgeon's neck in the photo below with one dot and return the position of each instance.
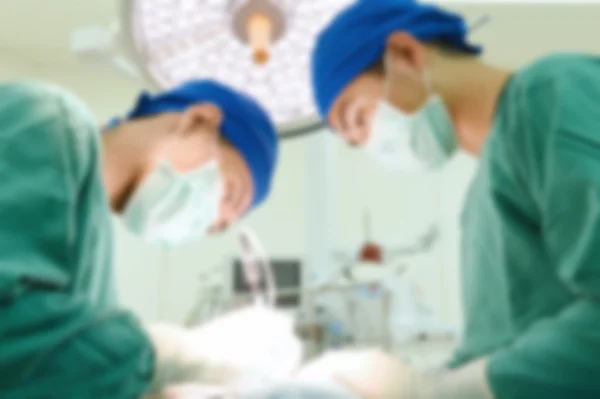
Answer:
(123, 162)
(471, 90)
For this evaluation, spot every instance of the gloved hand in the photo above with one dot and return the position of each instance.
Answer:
(259, 342)
(242, 350)
(372, 374)
(178, 361)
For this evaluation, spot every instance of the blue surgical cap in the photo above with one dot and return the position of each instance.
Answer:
(356, 39)
(246, 126)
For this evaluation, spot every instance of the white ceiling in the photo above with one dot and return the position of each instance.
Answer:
(37, 31)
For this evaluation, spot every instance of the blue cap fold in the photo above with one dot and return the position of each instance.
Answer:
(246, 126)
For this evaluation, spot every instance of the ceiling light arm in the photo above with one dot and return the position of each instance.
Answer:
(101, 45)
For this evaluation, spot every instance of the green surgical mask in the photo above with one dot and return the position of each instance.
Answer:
(420, 141)
(172, 208)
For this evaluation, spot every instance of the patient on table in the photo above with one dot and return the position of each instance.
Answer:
(288, 390)
(259, 345)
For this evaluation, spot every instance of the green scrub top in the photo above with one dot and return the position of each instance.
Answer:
(531, 236)
(61, 332)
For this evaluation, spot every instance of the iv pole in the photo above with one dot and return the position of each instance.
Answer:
(319, 191)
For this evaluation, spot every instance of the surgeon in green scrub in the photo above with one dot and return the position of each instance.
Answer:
(400, 80)
(180, 164)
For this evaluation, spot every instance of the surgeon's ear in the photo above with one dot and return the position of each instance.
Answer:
(204, 114)
(404, 54)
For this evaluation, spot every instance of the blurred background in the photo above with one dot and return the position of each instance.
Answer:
(324, 192)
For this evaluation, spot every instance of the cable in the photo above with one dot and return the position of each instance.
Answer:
(257, 267)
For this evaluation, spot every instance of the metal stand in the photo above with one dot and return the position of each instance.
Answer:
(319, 188)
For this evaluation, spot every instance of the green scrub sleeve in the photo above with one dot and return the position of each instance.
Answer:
(59, 336)
(82, 352)
(559, 357)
